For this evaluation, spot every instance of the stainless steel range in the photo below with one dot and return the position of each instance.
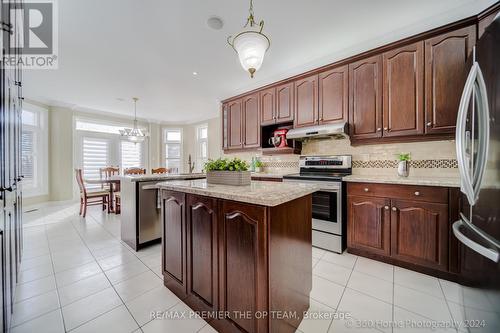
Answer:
(328, 204)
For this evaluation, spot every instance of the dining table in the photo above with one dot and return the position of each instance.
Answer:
(114, 186)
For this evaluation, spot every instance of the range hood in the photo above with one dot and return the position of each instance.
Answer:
(337, 131)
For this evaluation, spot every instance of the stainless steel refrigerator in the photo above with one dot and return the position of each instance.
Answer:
(478, 155)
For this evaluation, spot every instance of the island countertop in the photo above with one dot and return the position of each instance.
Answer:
(262, 193)
(411, 180)
(160, 177)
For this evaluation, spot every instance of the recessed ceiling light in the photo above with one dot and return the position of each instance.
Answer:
(215, 22)
(195, 73)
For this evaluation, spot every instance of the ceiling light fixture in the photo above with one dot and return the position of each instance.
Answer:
(195, 73)
(135, 134)
(250, 44)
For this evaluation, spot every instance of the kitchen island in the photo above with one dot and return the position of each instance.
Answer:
(241, 255)
(140, 213)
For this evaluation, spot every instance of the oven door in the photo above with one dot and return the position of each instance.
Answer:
(326, 205)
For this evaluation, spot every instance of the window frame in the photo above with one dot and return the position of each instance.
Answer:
(200, 161)
(165, 142)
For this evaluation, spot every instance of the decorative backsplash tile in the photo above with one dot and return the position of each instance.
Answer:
(421, 164)
(281, 164)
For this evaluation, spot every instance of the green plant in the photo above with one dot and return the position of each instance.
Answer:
(259, 164)
(404, 157)
(225, 164)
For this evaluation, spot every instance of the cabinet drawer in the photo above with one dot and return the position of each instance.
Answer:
(408, 192)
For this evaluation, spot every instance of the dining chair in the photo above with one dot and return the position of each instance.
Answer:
(160, 170)
(106, 173)
(90, 198)
(134, 171)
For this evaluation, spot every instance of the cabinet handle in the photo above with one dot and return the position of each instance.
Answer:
(429, 124)
(386, 207)
(394, 209)
(417, 193)
(386, 128)
(366, 189)
(379, 129)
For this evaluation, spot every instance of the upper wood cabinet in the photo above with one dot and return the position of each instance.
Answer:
(306, 101)
(404, 91)
(284, 103)
(365, 98)
(235, 114)
(268, 106)
(485, 21)
(445, 74)
(251, 121)
(333, 95)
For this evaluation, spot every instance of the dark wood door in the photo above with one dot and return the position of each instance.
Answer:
(251, 121)
(174, 241)
(202, 251)
(485, 21)
(365, 98)
(243, 263)
(235, 134)
(368, 225)
(333, 95)
(306, 101)
(419, 233)
(284, 103)
(404, 90)
(445, 74)
(268, 106)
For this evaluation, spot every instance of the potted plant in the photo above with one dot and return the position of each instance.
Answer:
(228, 171)
(404, 164)
(258, 166)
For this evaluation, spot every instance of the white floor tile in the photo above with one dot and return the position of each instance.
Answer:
(421, 303)
(326, 292)
(189, 325)
(78, 273)
(421, 282)
(83, 288)
(207, 329)
(35, 288)
(461, 315)
(375, 268)
(319, 317)
(371, 286)
(35, 262)
(35, 273)
(413, 323)
(332, 272)
(126, 271)
(345, 259)
(470, 297)
(48, 323)
(34, 307)
(117, 320)
(137, 285)
(108, 263)
(317, 252)
(88, 308)
(155, 300)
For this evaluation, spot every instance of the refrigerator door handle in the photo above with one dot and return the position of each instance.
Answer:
(489, 253)
(460, 136)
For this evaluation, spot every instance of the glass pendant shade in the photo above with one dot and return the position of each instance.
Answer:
(135, 134)
(251, 47)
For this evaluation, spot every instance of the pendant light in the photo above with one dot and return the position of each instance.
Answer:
(135, 134)
(250, 44)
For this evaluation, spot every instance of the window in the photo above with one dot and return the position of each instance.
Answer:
(86, 125)
(201, 147)
(95, 156)
(34, 151)
(173, 149)
(131, 154)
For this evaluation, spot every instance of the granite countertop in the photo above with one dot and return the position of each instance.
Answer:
(415, 180)
(268, 175)
(160, 177)
(258, 192)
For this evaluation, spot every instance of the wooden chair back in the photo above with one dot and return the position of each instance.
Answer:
(160, 170)
(134, 171)
(79, 180)
(108, 172)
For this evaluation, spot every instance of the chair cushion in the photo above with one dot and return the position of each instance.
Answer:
(117, 194)
(97, 193)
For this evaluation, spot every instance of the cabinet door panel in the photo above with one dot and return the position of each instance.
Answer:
(445, 74)
(225, 126)
(284, 103)
(369, 224)
(268, 106)
(333, 95)
(174, 240)
(404, 90)
(251, 121)
(419, 233)
(242, 239)
(235, 125)
(202, 249)
(306, 101)
(365, 98)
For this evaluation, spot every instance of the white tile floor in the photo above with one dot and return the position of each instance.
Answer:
(77, 276)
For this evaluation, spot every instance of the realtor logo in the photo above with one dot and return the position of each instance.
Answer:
(32, 41)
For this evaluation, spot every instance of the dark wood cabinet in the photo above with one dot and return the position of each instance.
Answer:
(202, 251)
(365, 98)
(404, 225)
(419, 233)
(486, 18)
(404, 91)
(333, 89)
(268, 106)
(235, 135)
(306, 101)
(284, 103)
(445, 73)
(369, 224)
(251, 121)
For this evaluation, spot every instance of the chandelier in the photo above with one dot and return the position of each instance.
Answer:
(250, 44)
(135, 134)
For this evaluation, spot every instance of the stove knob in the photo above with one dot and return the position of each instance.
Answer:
(386, 207)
